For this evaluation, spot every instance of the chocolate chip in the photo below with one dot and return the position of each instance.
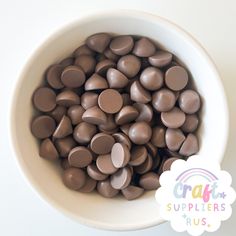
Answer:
(64, 128)
(190, 124)
(67, 98)
(98, 42)
(83, 50)
(110, 55)
(132, 192)
(176, 78)
(105, 165)
(138, 155)
(75, 113)
(122, 138)
(158, 136)
(167, 163)
(58, 113)
(47, 150)
(103, 66)
(140, 133)
(94, 115)
(190, 146)
(174, 139)
(144, 48)
(80, 157)
(120, 155)
(149, 181)
(122, 45)
(151, 78)
(53, 76)
(44, 99)
(84, 132)
(145, 112)
(89, 186)
(43, 126)
(64, 145)
(126, 115)
(106, 190)
(160, 59)
(110, 101)
(95, 173)
(73, 77)
(74, 178)
(139, 94)
(173, 118)
(129, 65)
(189, 101)
(69, 61)
(145, 166)
(163, 100)
(95, 82)
(89, 99)
(102, 143)
(121, 179)
(116, 79)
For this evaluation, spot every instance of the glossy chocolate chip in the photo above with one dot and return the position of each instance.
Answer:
(58, 113)
(87, 63)
(144, 48)
(174, 139)
(122, 138)
(116, 79)
(138, 155)
(98, 42)
(106, 190)
(47, 150)
(176, 78)
(102, 143)
(189, 101)
(149, 181)
(139, 94)
(167, 163)
(95, 82)
(190, 146)
(121, 179)
(103, 66)
(43, 126)
(105, 165)
(84, 132)
(44, 99)
(110, 101)
(122, 45)
(145, 166)
(160, 59)
(64, 145)
(158, 136)
(110, 124)
(145, 112)
(88, 100)
(163, 100)
(129, 65)
(151, 78)
(74, 178)
(67, 98)
(140, 132)
(95, 173)
(190, 124)
(53, 76)
(126, 115)
(75, 113)
(80, 157)
(73, 77)
(83, 50)
(89, 186)
(173, 118)
(132, 192)
(110, 55)
(64, 128)
(120, 155)
(94, 115)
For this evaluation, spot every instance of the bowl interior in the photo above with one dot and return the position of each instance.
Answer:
(45, 177)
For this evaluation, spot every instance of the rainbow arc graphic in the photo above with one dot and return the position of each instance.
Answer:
(188, 174)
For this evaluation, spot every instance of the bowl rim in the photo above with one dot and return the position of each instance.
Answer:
(92, 16)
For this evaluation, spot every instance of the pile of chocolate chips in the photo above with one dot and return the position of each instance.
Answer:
(116, 113)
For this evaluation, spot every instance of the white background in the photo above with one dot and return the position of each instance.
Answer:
(24, 25)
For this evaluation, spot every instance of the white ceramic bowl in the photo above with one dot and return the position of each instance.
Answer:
(45, 177)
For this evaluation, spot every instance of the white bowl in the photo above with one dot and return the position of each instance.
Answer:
(45, 177)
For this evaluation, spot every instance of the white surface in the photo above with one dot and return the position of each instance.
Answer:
(38, 171)
(24, 24)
